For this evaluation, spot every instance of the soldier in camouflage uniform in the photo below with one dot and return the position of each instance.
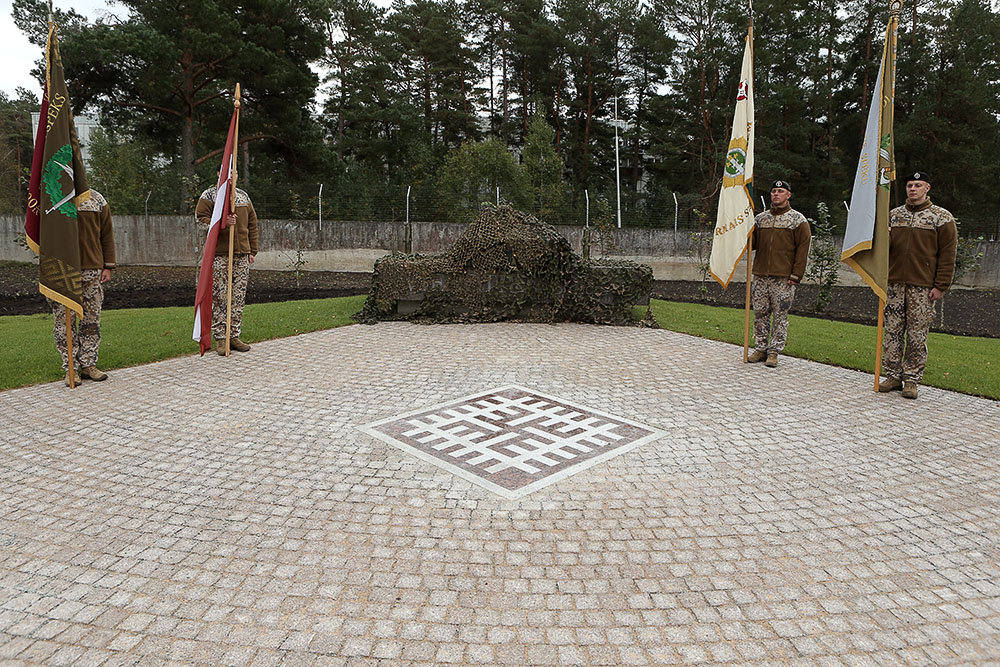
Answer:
(781, 240)
(923, 239)
(244, 221)
(97, 259)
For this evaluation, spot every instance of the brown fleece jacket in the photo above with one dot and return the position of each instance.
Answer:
(97, 238)
(781, 240)
(922, 244)
(245, 242)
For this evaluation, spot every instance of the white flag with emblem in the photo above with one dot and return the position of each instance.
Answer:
(735, 219)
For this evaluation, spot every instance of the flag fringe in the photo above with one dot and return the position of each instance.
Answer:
(863, 245)
(56, 296)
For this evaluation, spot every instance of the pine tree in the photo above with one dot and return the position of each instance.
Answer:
(544, 169)
(167, 72)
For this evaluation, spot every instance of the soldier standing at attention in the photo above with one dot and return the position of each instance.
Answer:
(781, 241)
(923, 239)
(97, 259)
(244, 221)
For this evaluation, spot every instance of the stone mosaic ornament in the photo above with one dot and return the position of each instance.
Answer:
(512, 440)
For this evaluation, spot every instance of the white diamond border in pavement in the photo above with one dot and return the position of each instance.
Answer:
(372, 429)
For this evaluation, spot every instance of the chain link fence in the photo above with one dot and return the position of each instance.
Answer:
(325, 203)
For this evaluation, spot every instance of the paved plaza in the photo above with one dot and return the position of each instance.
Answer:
(514, 494)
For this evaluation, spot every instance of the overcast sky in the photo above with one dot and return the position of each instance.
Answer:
(18, 55)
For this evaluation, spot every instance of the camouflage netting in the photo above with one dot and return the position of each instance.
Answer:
(507, 266)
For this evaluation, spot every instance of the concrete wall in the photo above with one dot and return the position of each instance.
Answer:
(354, 246)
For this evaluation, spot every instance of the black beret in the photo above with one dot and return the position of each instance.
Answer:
(781, 184)
(918, 176)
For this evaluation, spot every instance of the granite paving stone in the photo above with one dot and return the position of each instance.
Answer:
(216, 511)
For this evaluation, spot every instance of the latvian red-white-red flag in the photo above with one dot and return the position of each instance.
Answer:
(223, 199)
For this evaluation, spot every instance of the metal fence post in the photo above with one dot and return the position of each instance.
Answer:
(676, 208)
(409, 227)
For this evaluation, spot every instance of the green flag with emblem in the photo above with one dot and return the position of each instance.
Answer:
(58, 184)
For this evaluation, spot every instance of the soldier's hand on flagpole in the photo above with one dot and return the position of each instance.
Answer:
(250, 259)
(231, 220)
(105, 276)
(935, 294)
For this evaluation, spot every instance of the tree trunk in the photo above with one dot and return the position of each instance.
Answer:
(427, 99)
(589, 69)
(868, 56)
(503, 77)
(187, 129)
(493, 109)
(555, 105)
(831, 37)
(187, 161)
(244, 174)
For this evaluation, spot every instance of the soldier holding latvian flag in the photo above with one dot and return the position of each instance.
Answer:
(242, 224)
(69, 226)
(230, 247)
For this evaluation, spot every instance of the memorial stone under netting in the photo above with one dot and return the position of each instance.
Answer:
(507, 266)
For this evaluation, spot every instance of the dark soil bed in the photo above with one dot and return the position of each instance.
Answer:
(967, 312)
(158, 286)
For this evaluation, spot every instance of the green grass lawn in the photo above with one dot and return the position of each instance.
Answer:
(137, 336)
(141, 335)
(960, 363)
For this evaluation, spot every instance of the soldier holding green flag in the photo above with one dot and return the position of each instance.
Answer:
(97, 259)
(67, 224)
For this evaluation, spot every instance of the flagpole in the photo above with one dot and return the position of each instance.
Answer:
(232, 233)
(746, 310)
(878, 343)
(895, 6)
(71, 373)
(69, 348)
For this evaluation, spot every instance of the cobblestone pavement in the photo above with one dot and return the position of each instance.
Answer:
(205, 510)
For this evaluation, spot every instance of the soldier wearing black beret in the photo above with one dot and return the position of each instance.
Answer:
(922, 243)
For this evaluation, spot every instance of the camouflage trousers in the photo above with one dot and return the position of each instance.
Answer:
(220, 281)
(909, 313)
(86, 333)
(770, 297)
